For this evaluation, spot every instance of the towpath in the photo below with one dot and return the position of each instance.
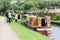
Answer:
(6, 32)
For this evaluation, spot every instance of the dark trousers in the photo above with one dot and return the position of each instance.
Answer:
(10, 20)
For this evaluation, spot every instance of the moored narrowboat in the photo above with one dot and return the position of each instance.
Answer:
(41, 24)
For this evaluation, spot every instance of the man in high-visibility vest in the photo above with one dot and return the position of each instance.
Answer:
(27, 19)
(16, 17)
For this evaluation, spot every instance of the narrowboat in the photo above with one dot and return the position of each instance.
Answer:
(40, 24)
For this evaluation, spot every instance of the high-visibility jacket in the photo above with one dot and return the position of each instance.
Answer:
(16, 16)
(28, 18)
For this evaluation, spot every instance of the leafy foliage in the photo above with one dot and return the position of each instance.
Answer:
(27, 4)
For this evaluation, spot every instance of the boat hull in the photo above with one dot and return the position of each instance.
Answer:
(45, 31)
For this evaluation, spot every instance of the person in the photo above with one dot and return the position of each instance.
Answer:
(10, 16)
(27, 19)
(13, 14)
(16, 17)
(7, 16)
(19, 18)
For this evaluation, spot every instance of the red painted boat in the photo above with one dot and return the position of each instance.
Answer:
(42, 24)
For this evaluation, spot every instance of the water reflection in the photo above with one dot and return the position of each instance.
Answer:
(56, 32)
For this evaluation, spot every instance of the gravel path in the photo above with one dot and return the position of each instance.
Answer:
(6, 32)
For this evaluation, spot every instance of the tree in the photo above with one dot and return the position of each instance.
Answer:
(27, 4)
(1, 6)
(5, 5)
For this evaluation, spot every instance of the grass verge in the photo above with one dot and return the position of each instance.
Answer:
(26, 34)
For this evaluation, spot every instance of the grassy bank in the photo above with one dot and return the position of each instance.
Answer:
(26, 34)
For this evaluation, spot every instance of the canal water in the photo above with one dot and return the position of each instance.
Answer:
(56, 32)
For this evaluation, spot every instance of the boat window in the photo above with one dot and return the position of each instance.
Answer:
(43, 23)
